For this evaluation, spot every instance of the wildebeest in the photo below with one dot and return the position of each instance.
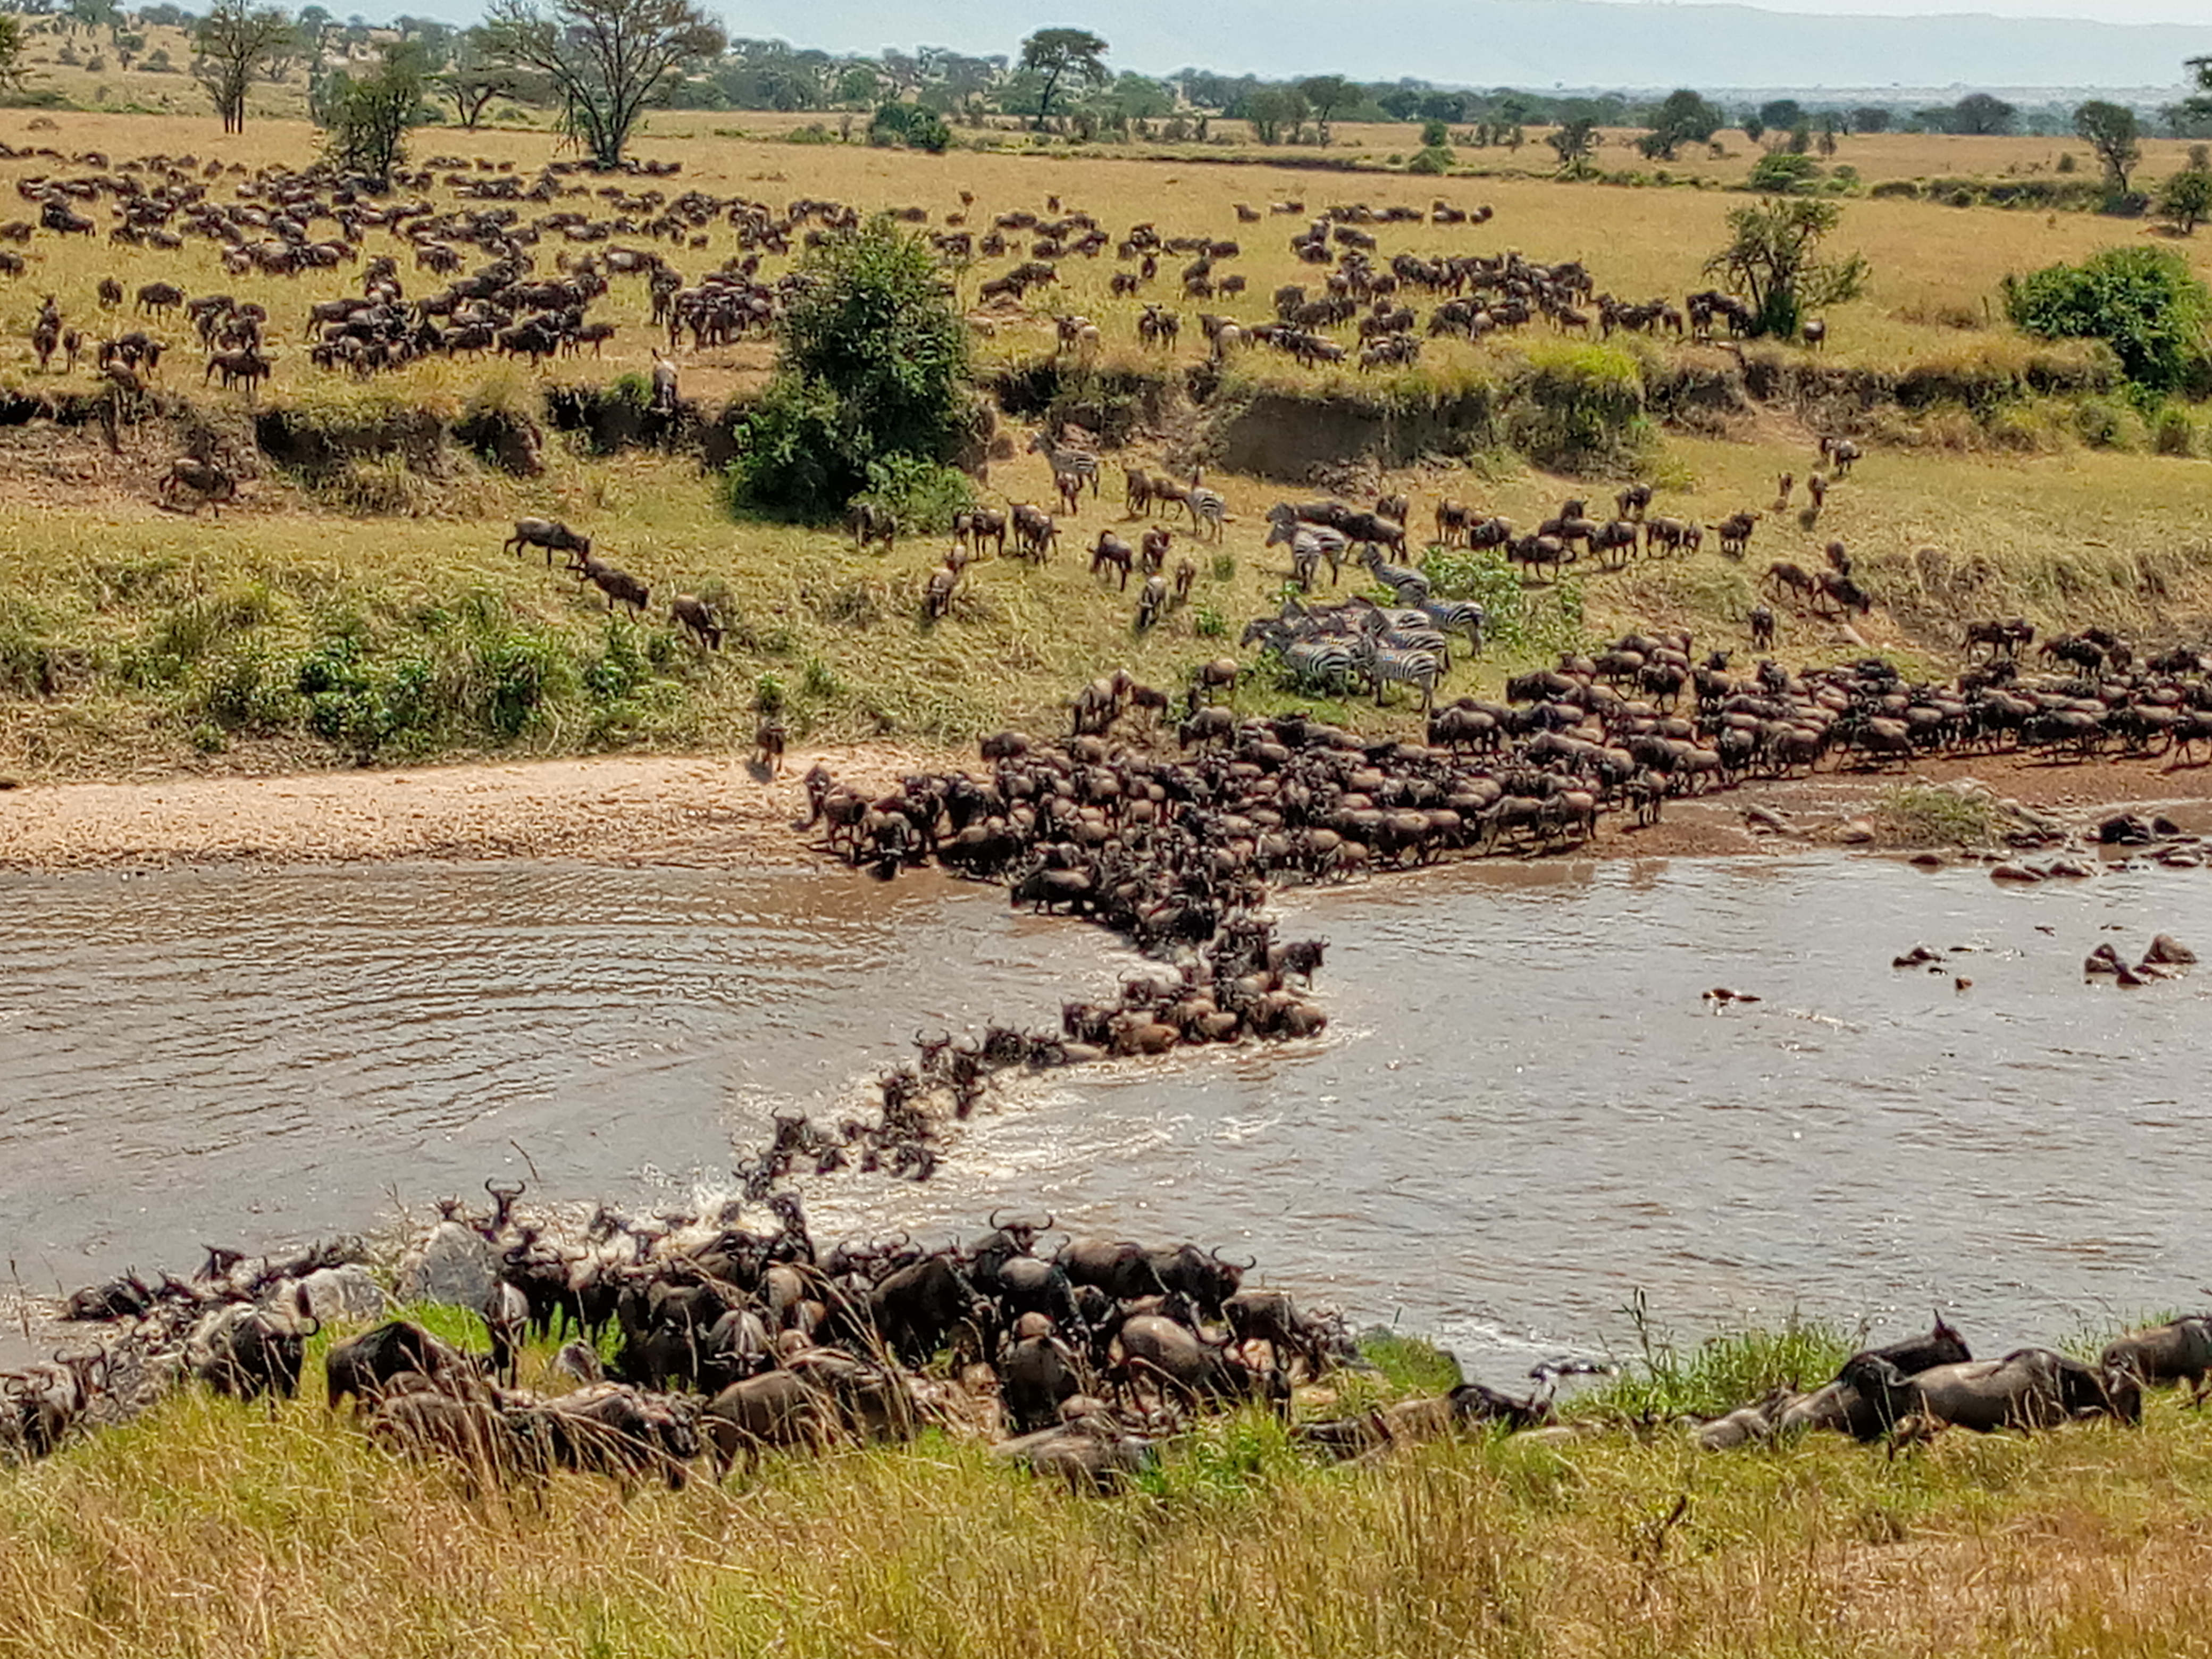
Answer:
(2159, 1356)
(361, 1368)
(549, 533)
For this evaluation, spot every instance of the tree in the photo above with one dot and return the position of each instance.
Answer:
(2184, 201)
(1782, 113)
(1326, 94)
(15, 73)
(229, 49)
(606, 60)
(1575, 143)
(1774, 260)
(872, 379)
(1753, 128)
(1981, 115)
(1681, 117)
(473, 79)
(1058, 55)
(1271, 109)
(1870, 118)
(2111, 130)
(2144, 302)
(367, 119)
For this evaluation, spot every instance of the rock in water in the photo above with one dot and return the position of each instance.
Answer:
(454, 1266)
(2167, 948)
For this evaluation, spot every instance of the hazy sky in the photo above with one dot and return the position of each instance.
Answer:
(2106, 11)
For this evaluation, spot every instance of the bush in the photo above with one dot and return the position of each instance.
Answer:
(922, 496)
(912, 126)
(874, 371)
(2143, 302)
(1579, 408)
(1782, 173)
(1433, 159)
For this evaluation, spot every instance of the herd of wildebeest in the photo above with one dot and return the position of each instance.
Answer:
(692, 1342)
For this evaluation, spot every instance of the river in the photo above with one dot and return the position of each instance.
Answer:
(1525, 1110)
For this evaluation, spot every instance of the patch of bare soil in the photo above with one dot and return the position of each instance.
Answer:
(606, 809)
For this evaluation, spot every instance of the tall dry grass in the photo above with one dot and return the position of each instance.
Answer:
(216, 1529)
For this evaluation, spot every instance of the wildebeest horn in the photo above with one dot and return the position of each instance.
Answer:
(498, 1191)
(1046, 1225)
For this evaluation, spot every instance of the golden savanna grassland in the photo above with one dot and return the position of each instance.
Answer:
(134, 638)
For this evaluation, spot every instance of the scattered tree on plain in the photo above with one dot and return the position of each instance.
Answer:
(473, 79)
(1059, 55)
(1683, 118)
(1326, 94)
(2184, 201)
(230, 46)
(1774, 260)
(606, 60)
(367, 119)
(15, 73)
(1271, 109)
(1574, 143)
(2113, 131)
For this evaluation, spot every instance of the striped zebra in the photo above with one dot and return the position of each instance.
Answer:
(1309, 544)
(1068, 461)
(1208, 510)
(1383, 666)
(1456, 615)
(1411, 587)
(1326, 665)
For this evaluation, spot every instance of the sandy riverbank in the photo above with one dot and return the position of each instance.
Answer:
(719, 809)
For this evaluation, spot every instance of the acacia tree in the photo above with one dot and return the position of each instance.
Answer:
(1058, 55)
(231, 46)
(14, 72)
(606, 60)
(1774, 260)
(368, 117)
(1684, 117)
(2184, 201)
(1574, 143)
(2111, 130)
(1271, 109)
(1326, 94)
(472, 80)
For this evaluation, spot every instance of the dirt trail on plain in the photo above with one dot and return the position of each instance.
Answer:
(653, 809)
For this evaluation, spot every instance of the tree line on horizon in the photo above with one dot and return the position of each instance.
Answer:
(599, 64)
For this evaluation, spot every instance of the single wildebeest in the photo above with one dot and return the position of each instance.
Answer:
(696, 614)
(610, 1429)
(916, 1308)
(549, 533)
(1154, 1346)
(2029, 1389)
(775, 1408)
(362, 1367)
(1123, 1270)
(2161, 1355)
(431, 1426)
(247, 1352)
(1201, 1275)
(1037, 1372)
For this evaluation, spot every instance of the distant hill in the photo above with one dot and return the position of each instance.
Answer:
(1531, 43)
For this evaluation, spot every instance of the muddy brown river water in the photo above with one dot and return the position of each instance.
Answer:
(1524, 1112)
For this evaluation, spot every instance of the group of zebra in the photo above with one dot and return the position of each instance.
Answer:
(1075, 469)
(1342, 648)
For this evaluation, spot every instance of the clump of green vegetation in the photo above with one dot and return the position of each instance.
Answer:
(874, 371)
(1580, 408)
(1928, 815)
(1518, 620)
(911, 126)
(1721, 1372)
(2145, 303)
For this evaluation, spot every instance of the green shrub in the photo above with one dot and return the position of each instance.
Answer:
(874, 366)
(922, 496)
(1579, 406)
(1782, 173)
(2144, 302)
(911, 126)
(1434, 159)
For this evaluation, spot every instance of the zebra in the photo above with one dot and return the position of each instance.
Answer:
(1207, 510)
(1309, 544)
(1463, 615)
(1327, 665)
(1411, 587)
(1383, 666)
(1069, 462)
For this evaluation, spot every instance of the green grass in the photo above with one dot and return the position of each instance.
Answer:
(223, 1530)
(1918, 815)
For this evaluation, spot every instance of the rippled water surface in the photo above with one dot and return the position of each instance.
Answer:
(1524, 1110)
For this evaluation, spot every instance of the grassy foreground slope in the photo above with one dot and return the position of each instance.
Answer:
(220, 1530)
